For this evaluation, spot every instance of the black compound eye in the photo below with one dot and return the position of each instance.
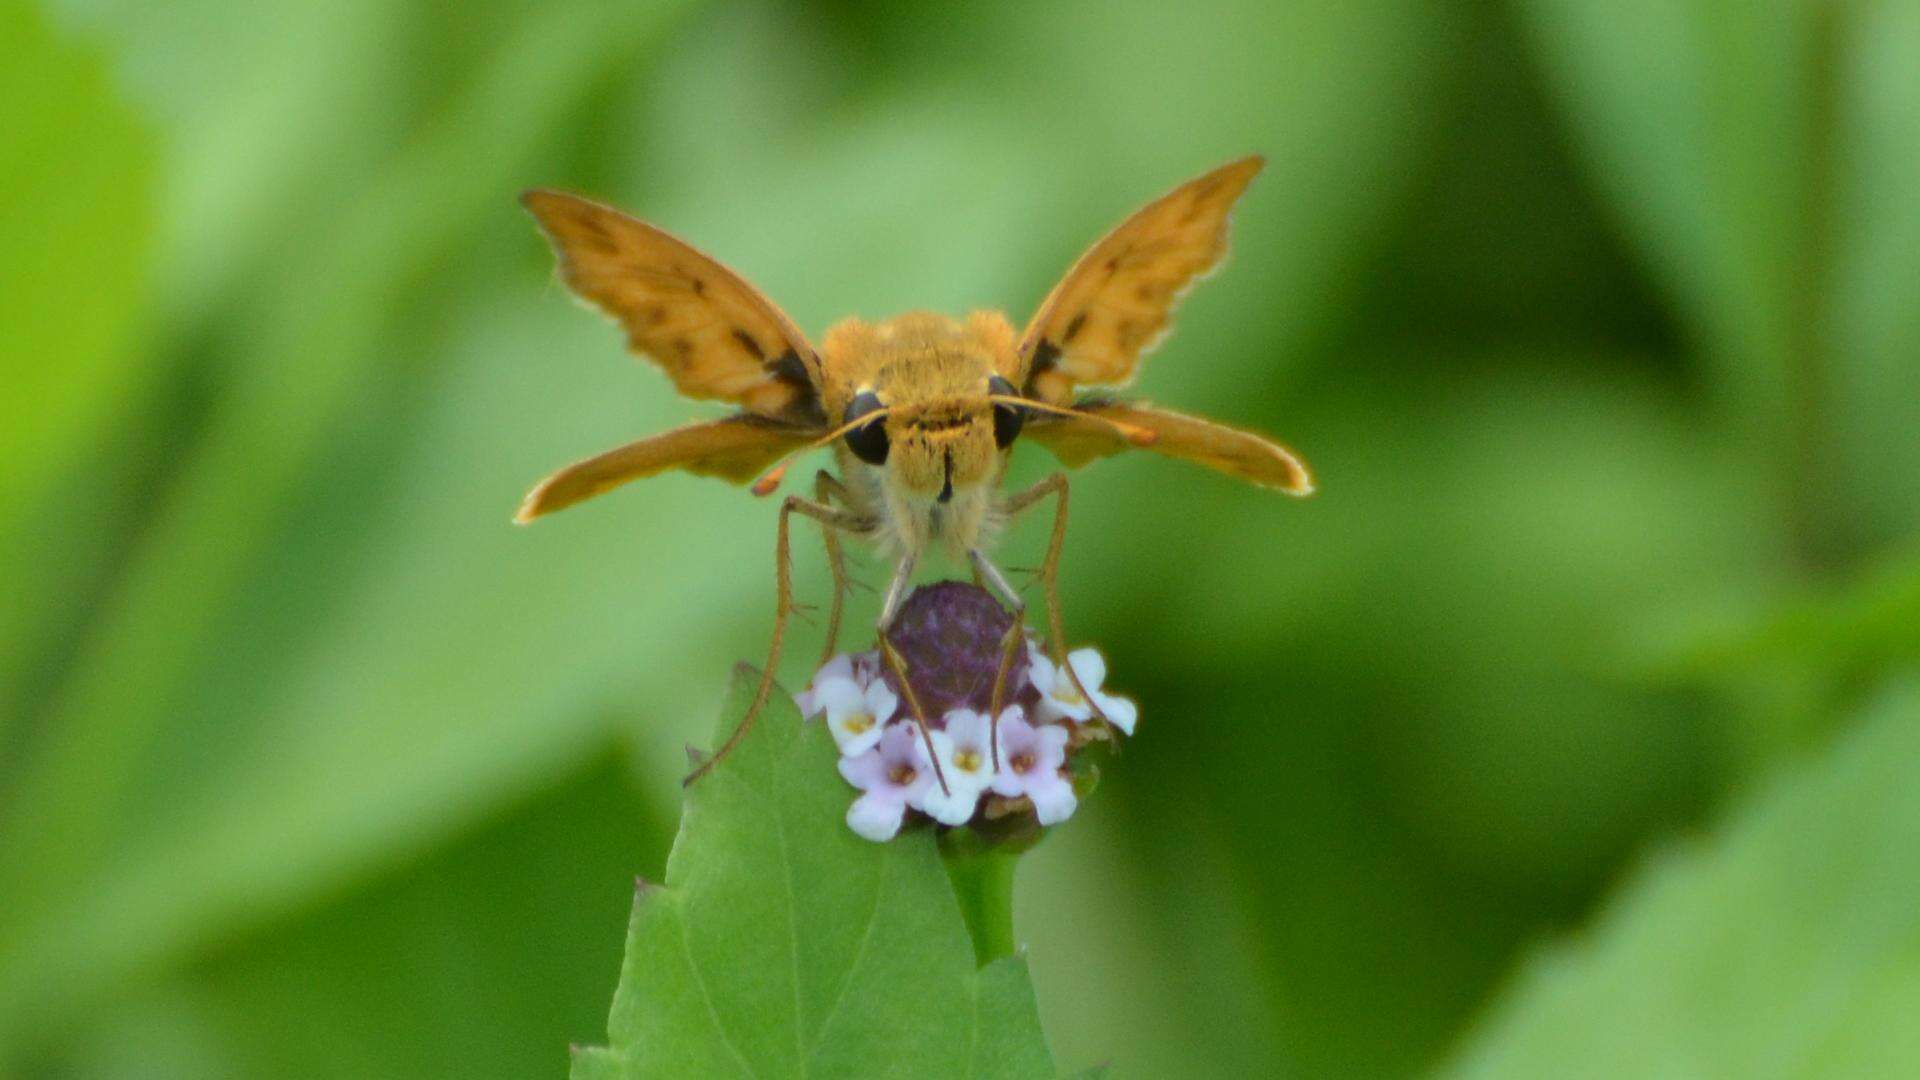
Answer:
(868, 441)
(1007, 419)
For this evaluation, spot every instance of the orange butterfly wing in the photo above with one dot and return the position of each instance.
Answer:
(1254, 458)
(715, 335)
(1117, 301)
(737, 448)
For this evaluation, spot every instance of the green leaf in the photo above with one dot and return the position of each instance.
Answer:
(1695, 116)
(1761, 154)
(76, 171)
(1788, 945)
(783, 945)
(480, 959)
(1875, 318)
(1866, 627)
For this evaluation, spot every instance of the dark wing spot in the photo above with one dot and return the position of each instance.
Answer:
(1073, 327)
(700, 289)
(788, 368)
(753, 347)
(1046, 356)
(594, 234)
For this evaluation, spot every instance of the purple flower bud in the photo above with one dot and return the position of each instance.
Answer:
(952, 634)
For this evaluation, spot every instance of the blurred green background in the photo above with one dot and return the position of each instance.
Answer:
(1571, 727)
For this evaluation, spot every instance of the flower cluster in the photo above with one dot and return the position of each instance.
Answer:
(950, 637)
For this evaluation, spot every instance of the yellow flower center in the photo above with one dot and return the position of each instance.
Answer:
(967, 760)
(901, 775)
(1068, 694)
(1021, 762)
(858, 723)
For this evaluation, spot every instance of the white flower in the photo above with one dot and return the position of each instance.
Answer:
(858, 703)
(892, 776)
(1030, 760)
(965, 752)
(838, 668)
(1060, 699)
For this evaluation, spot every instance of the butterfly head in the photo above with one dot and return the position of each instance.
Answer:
(928, 384)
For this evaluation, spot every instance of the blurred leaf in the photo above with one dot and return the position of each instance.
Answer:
(782, 944)
(1797, 665)
(1857, 632)
(484, 957)
(1875, 314)
(1781, 947)
(1153, 955)
(267, 129)
(1762, 156)
(76, 174)
(1696, 116)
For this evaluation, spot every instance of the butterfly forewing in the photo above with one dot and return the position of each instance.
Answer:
(716, 336)
(1117, 301)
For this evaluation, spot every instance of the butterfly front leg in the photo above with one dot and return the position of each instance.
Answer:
(989, 576)
(1049, 575)
(830, 519)
(828, 488)
(883, 626)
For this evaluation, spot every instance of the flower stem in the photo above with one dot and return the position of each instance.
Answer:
(982, 877)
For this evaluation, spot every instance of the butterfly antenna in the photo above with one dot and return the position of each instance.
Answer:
(1133, 433)
(769, 481)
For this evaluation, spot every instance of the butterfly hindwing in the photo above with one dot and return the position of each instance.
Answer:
(737, 448)
(1081, 438)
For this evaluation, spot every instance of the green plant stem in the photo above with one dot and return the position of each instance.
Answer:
(982, 877)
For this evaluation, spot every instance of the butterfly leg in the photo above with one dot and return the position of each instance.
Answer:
(1011, 642)
(827, 488)
(829, 518)
(889, 608)
(1055, 485)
